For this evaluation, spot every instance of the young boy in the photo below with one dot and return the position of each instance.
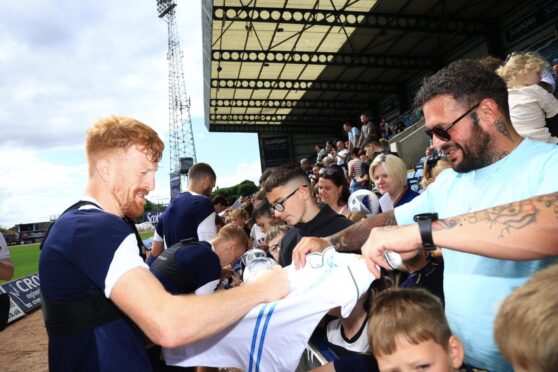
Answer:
(408, 331)
(264, 221)
(288, 191)
(525, 327)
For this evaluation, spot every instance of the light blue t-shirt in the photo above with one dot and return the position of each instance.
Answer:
(474, 286)
(353, 135)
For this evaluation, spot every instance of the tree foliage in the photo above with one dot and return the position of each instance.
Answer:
(152, 207)
(244, 188)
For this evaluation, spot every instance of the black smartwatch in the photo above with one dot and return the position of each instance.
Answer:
(424, 221)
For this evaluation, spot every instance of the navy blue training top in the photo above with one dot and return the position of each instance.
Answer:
(198, 263)
(75, 260)
(183, 216)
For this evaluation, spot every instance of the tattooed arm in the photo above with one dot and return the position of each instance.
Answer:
(523, 230)
(350, 239)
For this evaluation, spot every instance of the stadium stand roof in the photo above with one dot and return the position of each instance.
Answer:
(308, 65)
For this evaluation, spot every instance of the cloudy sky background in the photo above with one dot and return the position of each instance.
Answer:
(65, 64)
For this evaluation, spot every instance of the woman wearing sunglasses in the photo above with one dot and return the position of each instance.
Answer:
(529, 103)
(334, 190)
(389, 174)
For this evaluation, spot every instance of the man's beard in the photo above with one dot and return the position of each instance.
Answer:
(475, 153)
(132, 207)
(207, 192)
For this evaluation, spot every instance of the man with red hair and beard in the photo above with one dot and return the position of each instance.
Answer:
(99, 298)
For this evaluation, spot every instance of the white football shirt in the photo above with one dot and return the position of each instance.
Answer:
(259, 340)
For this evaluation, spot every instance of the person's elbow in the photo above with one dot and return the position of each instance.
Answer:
(171, 338)
(168, 333)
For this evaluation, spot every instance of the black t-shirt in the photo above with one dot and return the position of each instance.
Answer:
(326, 223)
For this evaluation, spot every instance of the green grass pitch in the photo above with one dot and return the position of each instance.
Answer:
(26, 257)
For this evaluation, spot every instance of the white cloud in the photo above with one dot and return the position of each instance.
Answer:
(69, 63)
(32, 189)
(243, 171)
(63, 65)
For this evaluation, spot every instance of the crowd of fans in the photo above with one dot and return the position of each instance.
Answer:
(357, 177)
(361, 170)
(202, 245)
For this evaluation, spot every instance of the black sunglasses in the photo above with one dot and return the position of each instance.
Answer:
(442, 132)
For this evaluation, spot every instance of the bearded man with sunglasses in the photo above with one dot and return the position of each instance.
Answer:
(503, 231)
(288, 190)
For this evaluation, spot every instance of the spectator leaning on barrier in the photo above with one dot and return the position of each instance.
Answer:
(99, 299)
(489, 252)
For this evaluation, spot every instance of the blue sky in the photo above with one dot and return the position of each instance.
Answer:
(65, 64)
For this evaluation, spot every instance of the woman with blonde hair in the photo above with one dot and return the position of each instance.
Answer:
(389, 175)
(529, 103)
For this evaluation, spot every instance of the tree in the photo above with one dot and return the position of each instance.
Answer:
(152, 207)
(244, 188)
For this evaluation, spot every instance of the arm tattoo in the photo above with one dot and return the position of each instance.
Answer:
(353, 237)
(505, 218)
(549, 201)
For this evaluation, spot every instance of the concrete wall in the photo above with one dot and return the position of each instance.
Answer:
(411, 144)
(301, 145)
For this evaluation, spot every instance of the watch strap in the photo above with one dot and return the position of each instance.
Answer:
(425, 228)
